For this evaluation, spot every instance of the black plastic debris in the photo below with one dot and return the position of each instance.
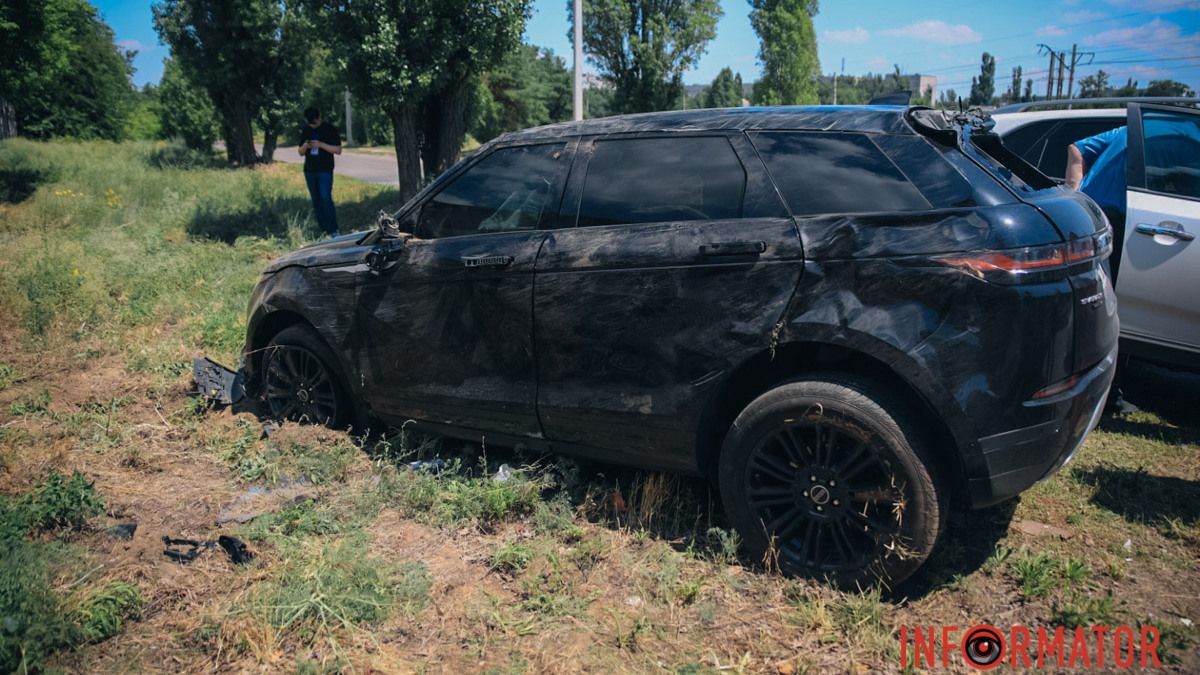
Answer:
(122, 531)
(184, 551)
(216, 382)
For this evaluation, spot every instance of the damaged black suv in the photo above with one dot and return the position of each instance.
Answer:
(849, 318)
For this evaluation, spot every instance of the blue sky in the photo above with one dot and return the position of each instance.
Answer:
(1142, 39)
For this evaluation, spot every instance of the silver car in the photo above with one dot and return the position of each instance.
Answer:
(1158, 285)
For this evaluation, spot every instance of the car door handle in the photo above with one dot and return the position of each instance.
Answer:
(733, 248)
(487, 260)
(1169, 228)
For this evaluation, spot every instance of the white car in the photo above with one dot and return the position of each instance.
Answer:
(1158, 274)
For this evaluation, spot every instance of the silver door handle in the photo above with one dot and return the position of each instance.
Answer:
(1168, 227)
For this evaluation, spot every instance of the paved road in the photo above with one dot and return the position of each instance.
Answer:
(371, 168)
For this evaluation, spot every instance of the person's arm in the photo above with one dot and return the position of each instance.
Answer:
(1075, 167)
(331, 149)
(303, 148)
(331, 134)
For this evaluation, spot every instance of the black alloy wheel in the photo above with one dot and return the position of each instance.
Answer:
(822, 480)
(298, 384)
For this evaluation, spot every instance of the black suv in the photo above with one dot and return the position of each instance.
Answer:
(850, 318)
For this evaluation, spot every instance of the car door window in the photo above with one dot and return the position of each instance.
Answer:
(1054, 158)
(1172, 152)
(510, 189)
(819, 172)
(649, 180)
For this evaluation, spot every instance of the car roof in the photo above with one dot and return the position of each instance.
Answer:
(1006, 122)
(876, 119)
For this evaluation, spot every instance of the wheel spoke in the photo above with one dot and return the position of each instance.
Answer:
(770, 496)
(774, 468)
(861, 465)
(790, 519)
(874, 495)
(795, 448)
(830, 443)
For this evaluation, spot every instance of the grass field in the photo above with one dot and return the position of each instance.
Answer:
(122, 262)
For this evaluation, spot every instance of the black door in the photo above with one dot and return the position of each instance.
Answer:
(677, 262)
(448, 327)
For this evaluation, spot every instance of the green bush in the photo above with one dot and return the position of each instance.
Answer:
(62, 503)
(20, 174)
(101, 614)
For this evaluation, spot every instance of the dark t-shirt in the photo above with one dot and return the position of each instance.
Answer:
(326, 133)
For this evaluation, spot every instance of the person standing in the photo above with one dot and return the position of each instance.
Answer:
(1096, 166)
(319, 142)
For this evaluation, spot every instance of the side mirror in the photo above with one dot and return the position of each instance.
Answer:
(387, 225)
(386, 252)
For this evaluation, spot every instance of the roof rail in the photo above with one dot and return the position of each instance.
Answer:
(1071, 103)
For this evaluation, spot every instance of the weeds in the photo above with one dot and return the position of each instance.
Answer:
(510, 558)
(101, 613)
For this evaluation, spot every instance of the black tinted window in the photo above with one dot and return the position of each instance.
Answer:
(835, 173)
(1054, 157)
(1028, 142)
(510, 189)
(648, 180)
(1172, 151)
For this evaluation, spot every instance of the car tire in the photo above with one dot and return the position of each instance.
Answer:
(302, 381)
(830, 477)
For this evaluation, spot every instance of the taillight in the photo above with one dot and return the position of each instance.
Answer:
(1057, 387)
(1032, 263)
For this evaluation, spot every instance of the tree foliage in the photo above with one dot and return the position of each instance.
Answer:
(185, 110)
(1099, 86)
(417, 59)
(983, 88)
(1094, 86)
(531, 87)
(62, 73)
(643, 47)
(726, 90)
(787, 51)
(233, 50)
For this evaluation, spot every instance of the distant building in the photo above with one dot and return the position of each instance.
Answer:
(916, 83)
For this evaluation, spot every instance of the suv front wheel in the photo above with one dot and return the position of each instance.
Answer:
(829, 477)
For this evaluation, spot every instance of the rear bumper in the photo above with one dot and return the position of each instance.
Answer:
(1016, 459)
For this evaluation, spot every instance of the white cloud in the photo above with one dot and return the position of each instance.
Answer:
(1141, 73)
(1155, 37)
(854, 36)
(1156, 5)
(135, 45)
(877, 63)
(1051, 31)
(937, 31)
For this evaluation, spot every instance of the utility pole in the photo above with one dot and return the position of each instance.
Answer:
(578, 60)
(1071, 76)
(1050, 70)
(349, 120)
(835, 80)
(1062, 59)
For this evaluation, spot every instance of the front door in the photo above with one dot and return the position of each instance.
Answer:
(1159, 281)
(447, 327)
(676, 262)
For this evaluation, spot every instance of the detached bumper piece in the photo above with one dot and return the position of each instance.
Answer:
(218, 383)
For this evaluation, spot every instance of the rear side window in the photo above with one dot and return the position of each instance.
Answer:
(510, 189)
(1029, 141)
(651, 180)
(819, 172)
(1054, 158)
(1172, 152)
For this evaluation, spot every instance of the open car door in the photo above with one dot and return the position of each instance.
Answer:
(1159, 280)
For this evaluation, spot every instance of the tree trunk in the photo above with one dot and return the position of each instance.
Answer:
(270, 138)
(408, 151)
(8, 119)
(448, 122)
(239, 136)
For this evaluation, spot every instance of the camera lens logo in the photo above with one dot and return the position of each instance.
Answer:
(982, 647)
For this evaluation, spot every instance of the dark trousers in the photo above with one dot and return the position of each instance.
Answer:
(320, 188)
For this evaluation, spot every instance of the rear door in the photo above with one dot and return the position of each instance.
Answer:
(675, 260)
(1159, 283)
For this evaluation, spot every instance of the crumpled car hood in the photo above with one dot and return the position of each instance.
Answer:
(328, 252)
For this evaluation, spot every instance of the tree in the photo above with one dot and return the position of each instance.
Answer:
(1094, 86)
(62, 74)
(983, 88)
(787, 51)
(643, 47)
(417, 60)
(1028, 96)
(145, 119)
(1130, 88)
(948, 99)
(725, 91)
(284, 79)
(1014, 90)
(531, 87)
(185, 109)
(231, 49)
(1168, 88)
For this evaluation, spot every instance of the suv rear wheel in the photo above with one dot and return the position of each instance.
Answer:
(831, 477)
(300, 379)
